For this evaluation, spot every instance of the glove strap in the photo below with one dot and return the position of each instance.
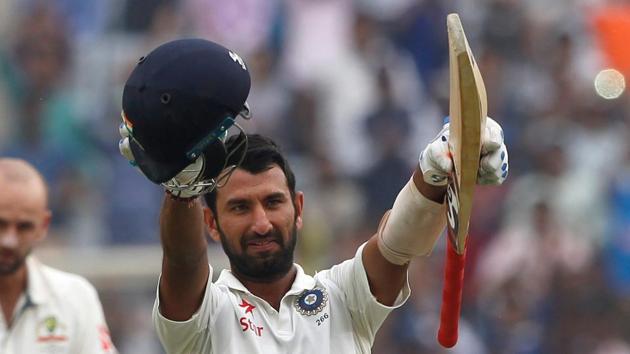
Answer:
(189, 200)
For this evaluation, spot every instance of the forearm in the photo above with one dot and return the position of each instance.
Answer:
(414, 223)
(385, 278)
(185, 262)
(409, 229)
(181, 232)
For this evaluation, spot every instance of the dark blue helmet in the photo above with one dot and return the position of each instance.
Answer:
(178, 104)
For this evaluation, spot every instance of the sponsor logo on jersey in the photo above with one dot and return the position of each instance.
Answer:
(246, 323)
(311, 301)
(247, 306)
(105, 339)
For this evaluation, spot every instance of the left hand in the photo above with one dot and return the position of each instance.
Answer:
(183, 185)
(436, 164)
(493, 166)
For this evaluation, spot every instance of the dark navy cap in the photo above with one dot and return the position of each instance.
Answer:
(175, 97)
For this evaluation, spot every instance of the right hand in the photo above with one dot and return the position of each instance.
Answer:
(435, 160)
(182, 186)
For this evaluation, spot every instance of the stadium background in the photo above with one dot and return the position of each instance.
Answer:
(352, 90)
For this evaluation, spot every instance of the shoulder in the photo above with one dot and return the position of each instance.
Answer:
(62, 284)
(349, 267)
(340, 275)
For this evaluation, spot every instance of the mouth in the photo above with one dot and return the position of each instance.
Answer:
(6, 257)
(261, 245)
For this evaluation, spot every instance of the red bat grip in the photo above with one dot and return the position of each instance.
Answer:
(451, 296)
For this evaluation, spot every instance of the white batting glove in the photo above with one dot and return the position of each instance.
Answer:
(182, 185)
(436, 164)
(435, 160)
(493, 166)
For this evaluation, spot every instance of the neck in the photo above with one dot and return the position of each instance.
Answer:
(11, 287)
(271, 291)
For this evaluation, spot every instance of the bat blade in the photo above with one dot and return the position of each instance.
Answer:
(467, 110)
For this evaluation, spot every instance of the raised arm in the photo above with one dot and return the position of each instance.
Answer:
(179, 104)
(418, 216)
(386, 278)
(185, 262)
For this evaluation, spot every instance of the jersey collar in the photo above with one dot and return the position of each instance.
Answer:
(302, 281)
(37, 291)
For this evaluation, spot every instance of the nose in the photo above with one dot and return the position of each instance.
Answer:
(261, 224)
(8, 239)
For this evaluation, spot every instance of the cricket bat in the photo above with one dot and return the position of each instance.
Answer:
(468, 110)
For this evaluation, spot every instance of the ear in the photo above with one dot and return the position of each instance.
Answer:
(211, 224)
(46, 218)
(299, 206)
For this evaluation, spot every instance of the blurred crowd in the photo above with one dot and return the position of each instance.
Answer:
(353, 90)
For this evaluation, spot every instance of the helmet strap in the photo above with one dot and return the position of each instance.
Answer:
(217, 133)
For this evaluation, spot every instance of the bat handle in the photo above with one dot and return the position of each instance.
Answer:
(451, 296)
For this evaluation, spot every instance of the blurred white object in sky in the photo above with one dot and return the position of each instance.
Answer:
(609, 83)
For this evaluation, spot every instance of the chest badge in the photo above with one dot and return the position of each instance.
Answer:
(311, 301)
(50, 329)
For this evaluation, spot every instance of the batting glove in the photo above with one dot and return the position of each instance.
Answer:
(435, 160)
(493, 166)
(436, 164)
(182, 186)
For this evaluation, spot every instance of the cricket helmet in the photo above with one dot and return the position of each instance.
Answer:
(178, 104)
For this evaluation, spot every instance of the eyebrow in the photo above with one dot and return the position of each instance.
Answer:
(236, 201)
(18, 222)
(276, 195)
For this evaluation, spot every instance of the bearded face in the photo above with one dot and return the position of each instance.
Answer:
(261, 257)
(257, 220)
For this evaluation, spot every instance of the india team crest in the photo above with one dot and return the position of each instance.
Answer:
(311, 301)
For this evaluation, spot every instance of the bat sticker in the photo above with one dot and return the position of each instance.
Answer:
(452, 213)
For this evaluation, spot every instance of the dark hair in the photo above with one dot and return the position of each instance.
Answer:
(262, 153)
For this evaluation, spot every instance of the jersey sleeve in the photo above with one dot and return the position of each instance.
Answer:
(367, 313)
(191, 335)
(93, 333)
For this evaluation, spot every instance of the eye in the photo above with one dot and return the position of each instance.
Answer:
(275, 202)
(238, 208)
(3, 224)
(25, 227)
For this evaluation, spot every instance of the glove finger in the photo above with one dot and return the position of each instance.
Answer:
(494, 167)
(491, 162)
(440, 157)
(492, 179)
(443, 134)
(125, 149)
(187, 183)
(191, 173)
(435, 162)
(124, 130)
(492, 137)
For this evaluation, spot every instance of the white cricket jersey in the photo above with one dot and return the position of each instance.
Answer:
(58, 313)
(333, 312)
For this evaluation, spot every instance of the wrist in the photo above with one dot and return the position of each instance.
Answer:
(180, 197)
(429, 191)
